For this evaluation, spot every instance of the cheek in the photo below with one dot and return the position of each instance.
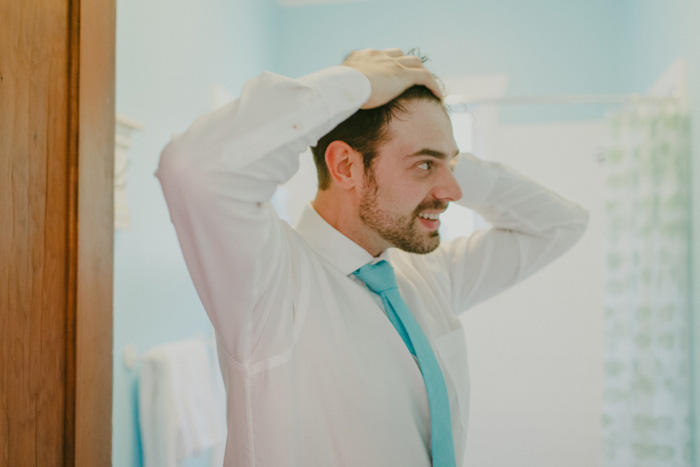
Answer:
(404, 197)
(399, 189)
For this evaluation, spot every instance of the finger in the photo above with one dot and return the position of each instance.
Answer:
(393, 52)
(410, 61)
(426, 78)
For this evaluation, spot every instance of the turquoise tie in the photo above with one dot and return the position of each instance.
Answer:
(381, 280)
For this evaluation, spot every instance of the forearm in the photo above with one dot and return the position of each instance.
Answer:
(260, 135)
(511, 201)
(531, 226)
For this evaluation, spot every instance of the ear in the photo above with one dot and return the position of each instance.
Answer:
(343, 163)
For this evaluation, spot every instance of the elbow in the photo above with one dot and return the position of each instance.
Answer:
(179, 178)
(582, 217)
(576, 227)
(175, 166)
(169, 164)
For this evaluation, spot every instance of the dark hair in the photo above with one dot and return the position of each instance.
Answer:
(365, 131)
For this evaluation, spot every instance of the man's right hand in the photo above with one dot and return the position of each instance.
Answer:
(390, 73)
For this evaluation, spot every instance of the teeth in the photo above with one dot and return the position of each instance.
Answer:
(432, 217)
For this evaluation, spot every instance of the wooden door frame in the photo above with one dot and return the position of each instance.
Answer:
(57, 115)
(91, 214)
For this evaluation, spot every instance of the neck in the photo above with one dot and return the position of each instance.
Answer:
(342, 213)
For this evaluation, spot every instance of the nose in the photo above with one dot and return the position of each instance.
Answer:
(447, 188)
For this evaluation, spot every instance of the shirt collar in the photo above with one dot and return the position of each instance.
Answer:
(333, 246)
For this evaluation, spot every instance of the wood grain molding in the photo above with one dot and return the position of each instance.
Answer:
(56, 164)
(93, 386)
(33, 243)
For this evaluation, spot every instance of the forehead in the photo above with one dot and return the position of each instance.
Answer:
(425, 124)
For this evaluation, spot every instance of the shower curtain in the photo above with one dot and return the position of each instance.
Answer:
(646, 399)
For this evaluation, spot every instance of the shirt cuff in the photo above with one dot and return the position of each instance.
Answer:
(341, 87)
(476, 178)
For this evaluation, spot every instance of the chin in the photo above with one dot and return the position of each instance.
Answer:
(423, 248)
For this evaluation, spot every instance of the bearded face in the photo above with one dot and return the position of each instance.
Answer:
(409, 182)
(403, 230)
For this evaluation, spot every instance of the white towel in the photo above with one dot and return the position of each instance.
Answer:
(179, 411)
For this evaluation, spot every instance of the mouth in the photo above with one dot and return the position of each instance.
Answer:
(430, 220)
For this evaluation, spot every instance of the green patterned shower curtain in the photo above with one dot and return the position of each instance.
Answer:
(646, 398)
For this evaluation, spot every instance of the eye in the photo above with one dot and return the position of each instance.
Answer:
(425, 165)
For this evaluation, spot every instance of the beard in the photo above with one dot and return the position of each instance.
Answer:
(400, 230)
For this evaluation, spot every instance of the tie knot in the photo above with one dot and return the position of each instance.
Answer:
(378, 277)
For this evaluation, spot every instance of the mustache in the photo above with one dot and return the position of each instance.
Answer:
(434, 204)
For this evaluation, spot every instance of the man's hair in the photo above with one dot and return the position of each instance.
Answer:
(366, 130)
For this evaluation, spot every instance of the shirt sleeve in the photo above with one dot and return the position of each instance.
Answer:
(531, 226)
(219, 176)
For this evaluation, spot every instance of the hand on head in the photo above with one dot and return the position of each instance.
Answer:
(390, 73)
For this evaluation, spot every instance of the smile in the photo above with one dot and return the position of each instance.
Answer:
(432, 217)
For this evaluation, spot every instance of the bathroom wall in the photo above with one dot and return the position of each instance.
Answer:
(535, 351)
(563, 47)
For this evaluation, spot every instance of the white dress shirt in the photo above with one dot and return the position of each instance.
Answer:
(315, 373)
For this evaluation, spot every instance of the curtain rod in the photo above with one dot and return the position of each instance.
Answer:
(457, 100)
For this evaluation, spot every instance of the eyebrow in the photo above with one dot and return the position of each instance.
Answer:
(432, 153)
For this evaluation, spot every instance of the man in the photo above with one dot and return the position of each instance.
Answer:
(322, 366)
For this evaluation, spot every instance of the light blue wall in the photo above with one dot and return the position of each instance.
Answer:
(660, 33)
(546, 47)
(169, 54)
(562, 47)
